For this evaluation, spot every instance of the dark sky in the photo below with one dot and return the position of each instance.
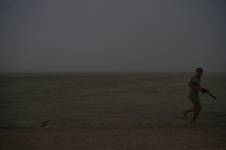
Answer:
(112, 35)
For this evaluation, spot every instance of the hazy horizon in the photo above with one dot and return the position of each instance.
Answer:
(112, 36)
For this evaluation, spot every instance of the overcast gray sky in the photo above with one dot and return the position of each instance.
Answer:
(112, 35)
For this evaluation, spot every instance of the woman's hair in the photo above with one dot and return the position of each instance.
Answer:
(199, 69)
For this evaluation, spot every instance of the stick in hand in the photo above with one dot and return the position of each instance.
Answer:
(214, 97)
(207, 91)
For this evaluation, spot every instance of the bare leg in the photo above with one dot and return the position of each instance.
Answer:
(197, 110)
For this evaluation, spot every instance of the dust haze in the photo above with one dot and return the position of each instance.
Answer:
(106, 35)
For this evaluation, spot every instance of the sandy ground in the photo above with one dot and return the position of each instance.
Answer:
(159, 138)
(108, 111)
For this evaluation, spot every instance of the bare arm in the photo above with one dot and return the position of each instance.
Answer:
(195, 87)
